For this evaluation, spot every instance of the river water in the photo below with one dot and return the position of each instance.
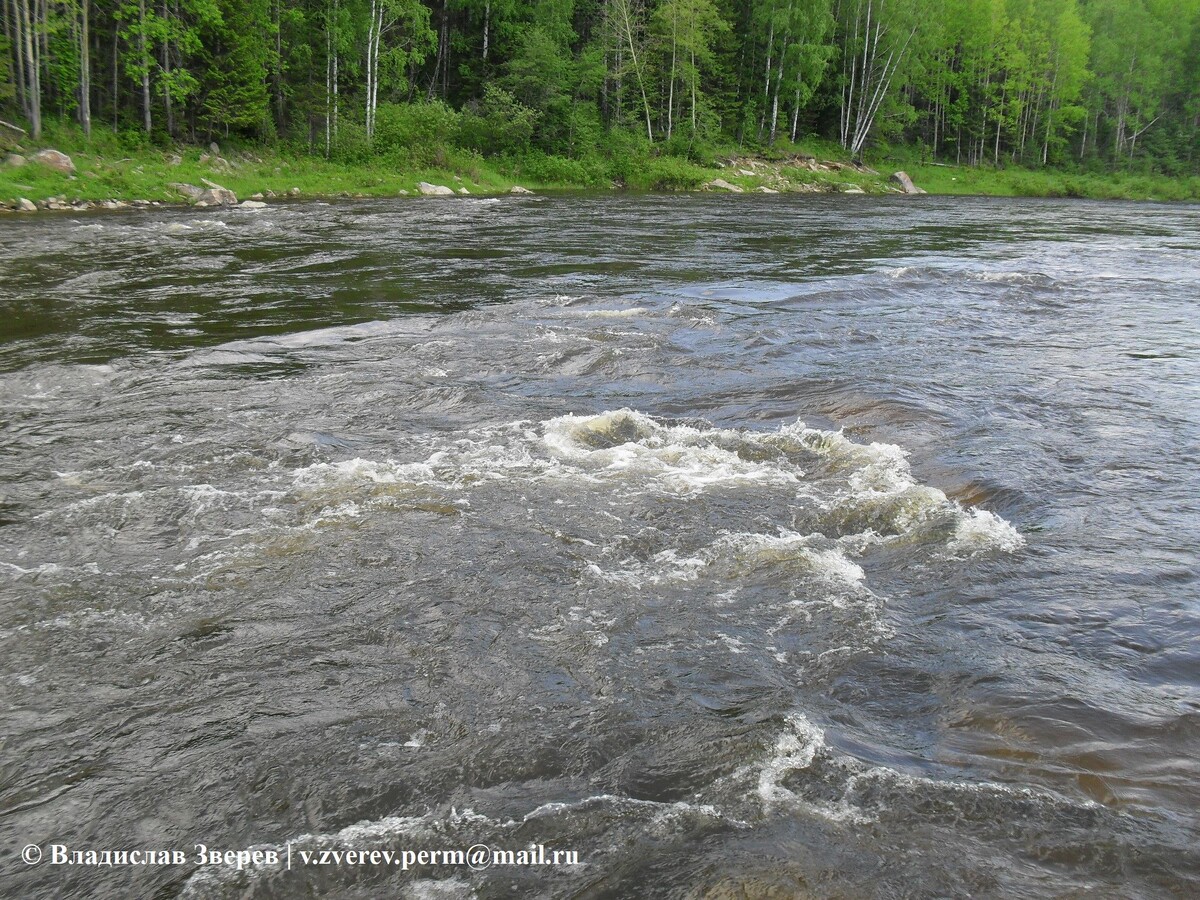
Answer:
(829, 547)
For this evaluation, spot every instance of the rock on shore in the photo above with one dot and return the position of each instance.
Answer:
(210, 195)
(721, 184)
(53, 159)
(905, 183)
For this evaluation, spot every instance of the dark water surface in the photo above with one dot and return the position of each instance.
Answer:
(843, 547)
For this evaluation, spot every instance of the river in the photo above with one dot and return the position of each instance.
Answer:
(824, 546)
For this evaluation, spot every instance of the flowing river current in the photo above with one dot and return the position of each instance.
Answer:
(747, 547)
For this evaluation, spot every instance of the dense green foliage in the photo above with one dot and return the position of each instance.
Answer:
(1086, 84)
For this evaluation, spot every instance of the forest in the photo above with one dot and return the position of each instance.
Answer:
(1087, 85)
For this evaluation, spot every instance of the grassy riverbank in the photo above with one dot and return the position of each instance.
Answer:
(1018, 182)
(106, 171)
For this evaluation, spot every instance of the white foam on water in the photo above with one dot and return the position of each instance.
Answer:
(458, 828)
(864, 494)
(432, 889)
(733, 555)
(677, 808)
(980, 531)
(365, 471)
(675, 458)
(796, 749)
(862, 789)
(829, 564)
(663, 568)
(631, 312)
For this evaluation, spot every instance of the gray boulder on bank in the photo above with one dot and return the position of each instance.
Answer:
(905, 183)
(16, 160)
(210, 195)
(53, 159)
(434, 190)
(26, 205)
(722, 185)
(517, 189)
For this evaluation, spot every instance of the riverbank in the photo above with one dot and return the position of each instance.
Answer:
(147, 177)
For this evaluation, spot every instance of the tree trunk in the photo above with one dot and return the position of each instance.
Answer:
(627, 24)
(166, 79)
(116, 97)
(371, 69)
(33, 78)
(671, 85)
(278, 65)
(16, 35)
(328, 78)
(85, 69)
(144, 53)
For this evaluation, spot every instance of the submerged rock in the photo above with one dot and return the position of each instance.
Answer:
(905, 183)
(721, 184)
(53, 159)
(252, 204)
(434, 190)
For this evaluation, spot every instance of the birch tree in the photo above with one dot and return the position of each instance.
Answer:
(398, 34)
(876, 37)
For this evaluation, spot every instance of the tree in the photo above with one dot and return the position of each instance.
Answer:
(401, 28)
(876, 38)
(686, 32)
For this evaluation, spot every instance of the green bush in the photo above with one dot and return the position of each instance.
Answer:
(538, 168)
(351, 146)
(500, 124)
(667, 173)
(418, 134)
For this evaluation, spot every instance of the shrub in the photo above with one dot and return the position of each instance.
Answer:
(420, 134)
(500, 124)
(668, 173)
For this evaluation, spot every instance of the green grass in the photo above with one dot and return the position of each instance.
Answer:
(1018, 182)
(114, 166)
(148, 176)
